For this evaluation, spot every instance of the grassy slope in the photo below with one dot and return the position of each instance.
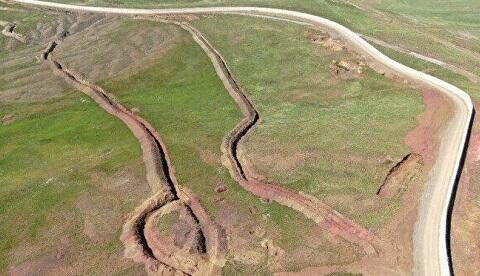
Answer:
(342, 129)
(83, 172)
(453, 13)
(52, 155)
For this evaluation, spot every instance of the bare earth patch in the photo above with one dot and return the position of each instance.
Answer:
(7, 119)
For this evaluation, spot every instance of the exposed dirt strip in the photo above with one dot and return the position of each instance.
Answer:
(322, 214)
(141, 243)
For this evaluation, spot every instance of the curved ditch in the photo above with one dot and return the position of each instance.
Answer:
(9, 31)
(209, 239)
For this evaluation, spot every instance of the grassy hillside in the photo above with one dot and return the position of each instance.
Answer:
(59, 163)
(82, 179)
(319, 134)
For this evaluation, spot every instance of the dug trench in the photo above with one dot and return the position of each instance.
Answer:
(205, 251)
(322, 214)
(9, 31)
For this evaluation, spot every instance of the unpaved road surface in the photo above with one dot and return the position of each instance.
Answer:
(431, 236)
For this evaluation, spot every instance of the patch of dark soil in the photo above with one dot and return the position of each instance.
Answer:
(221, 189)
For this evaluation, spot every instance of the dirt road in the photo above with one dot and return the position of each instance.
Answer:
(431, 232)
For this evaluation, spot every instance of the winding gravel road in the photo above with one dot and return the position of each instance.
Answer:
(431, 235)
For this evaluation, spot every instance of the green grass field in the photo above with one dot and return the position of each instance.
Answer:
(193, 112)
(318, 134)
(69, 171)
(56, 154)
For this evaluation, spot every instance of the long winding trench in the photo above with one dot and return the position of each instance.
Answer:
(312, 208)
(9, 31)
(203, 252)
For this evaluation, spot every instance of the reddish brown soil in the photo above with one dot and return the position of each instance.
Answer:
(474, 148)
(166, 247)
(315, 210)
(423, 139)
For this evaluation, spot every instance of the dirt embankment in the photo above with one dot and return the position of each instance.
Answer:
(142, 243)
(312, 208)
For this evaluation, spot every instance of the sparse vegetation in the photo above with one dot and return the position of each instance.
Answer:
(447, 30)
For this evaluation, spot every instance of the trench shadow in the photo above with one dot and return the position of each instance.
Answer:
(451, 204)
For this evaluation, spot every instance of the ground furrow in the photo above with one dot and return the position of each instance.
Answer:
(140, 244)
(9, 31)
